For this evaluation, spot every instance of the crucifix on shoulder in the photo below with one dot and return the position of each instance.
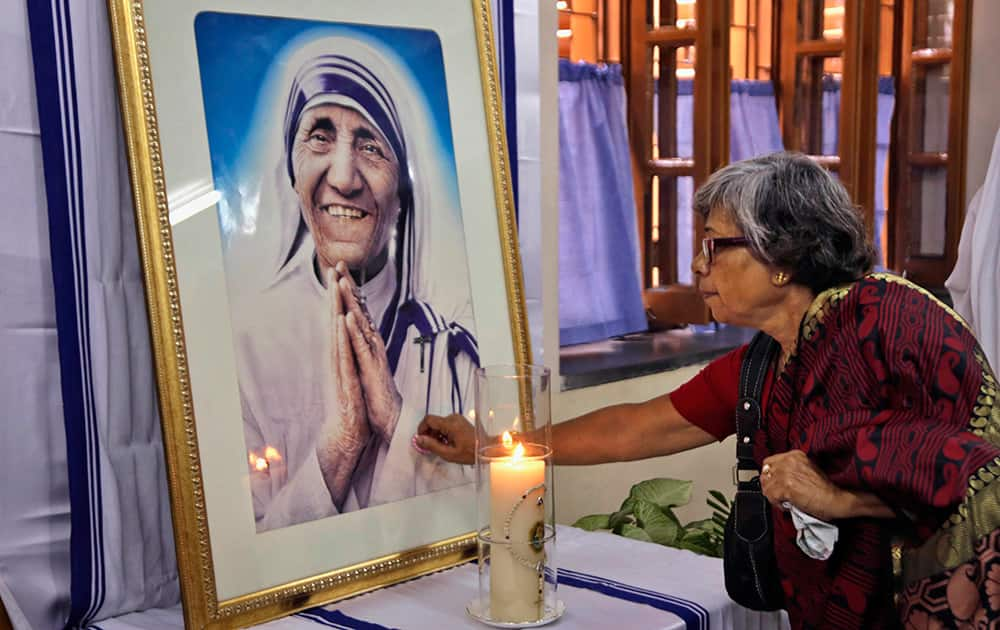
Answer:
(422, 341)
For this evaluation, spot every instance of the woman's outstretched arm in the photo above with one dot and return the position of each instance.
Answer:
(611, 434)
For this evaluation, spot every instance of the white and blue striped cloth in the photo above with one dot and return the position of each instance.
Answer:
(605, 582)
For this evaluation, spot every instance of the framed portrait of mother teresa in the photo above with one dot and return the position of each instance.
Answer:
(328, 241)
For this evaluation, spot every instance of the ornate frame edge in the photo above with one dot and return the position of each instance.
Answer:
(202, 609)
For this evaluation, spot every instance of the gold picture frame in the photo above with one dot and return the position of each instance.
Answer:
(157, 62)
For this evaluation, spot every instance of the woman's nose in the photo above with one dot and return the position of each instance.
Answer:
(342, 173)
(699, 266)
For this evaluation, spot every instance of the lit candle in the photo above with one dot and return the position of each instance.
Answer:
(517, 517)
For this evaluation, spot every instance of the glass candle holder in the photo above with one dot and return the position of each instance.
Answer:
(514, 498)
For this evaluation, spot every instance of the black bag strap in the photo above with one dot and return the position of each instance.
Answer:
(758, 358)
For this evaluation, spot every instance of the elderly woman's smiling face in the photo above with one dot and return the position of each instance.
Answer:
(735, 285)
(347, 180)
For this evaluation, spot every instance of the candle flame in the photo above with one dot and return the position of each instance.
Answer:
(272, 454)
(258, 463)
(507, 440)
(518, 453)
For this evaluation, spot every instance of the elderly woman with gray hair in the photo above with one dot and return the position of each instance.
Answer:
(878, 411)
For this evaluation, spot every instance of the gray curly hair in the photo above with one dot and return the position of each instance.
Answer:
(795, 215)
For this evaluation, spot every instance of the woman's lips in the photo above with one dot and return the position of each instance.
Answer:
(343, 211)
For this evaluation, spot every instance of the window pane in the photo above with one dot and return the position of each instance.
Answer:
(883, 137)
(929, 131)
(679, 13)
(883, 130)
(673, 107)
(685, 229)
(817, 107)
(932, 20)
(821, 19)
(928, 206)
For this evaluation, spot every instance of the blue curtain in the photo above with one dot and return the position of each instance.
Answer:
(598, 295)
(831, 115)
(753, 130)
(831, 130)
(600, 291)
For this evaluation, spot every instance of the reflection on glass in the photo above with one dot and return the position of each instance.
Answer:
(817, 107)
(685, 229)
(932, 21)
(928, 204)
(930, 108)
(821, 19)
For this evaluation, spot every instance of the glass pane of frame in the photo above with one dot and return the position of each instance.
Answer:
(678, 13)
(821, 19)
(817, 107)
(932, 22)
(928, 210)
(929, 117)
(672, 107)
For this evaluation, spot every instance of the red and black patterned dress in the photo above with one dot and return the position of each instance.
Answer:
(887, 392)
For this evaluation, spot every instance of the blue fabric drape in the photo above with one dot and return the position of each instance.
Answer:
(831, 131)
(599, 281)
(600, 292)
(753, 130)
(591, 170)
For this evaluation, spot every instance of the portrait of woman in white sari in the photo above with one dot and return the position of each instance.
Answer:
(348, 281)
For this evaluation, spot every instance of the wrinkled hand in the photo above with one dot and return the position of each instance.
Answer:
(346, 431)
(382, 398)
(793, 477)
(452, 438)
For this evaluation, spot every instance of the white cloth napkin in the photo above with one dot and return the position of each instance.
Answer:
(814, 537)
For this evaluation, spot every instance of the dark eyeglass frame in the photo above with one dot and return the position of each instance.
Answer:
(710, 245)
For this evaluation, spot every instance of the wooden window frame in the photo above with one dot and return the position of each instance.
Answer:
(929, 270)
(676, 303)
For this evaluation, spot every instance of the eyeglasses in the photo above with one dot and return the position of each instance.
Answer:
(710, 245)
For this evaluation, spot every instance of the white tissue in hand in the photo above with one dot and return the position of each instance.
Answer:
(814, 537)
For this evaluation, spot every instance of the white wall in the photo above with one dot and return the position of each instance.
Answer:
(591, 489)
(581, 490)
(984, 93)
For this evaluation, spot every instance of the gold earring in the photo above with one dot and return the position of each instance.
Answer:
(780, 278)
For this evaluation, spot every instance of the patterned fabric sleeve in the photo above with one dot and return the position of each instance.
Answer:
(901, 402)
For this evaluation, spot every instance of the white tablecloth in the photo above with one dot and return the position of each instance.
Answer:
(605, 581)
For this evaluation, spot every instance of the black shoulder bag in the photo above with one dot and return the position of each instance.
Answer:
(748, 555)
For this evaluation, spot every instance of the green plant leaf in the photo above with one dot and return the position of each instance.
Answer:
(636, 533)
(709, 526)
(593, 522)
(700, 542)
(661, 528)
(720, 509)
(627, 505)
(721, 498)
(623, 515)
(662, 491)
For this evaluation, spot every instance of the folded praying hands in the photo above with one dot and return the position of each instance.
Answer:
(361, 396)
